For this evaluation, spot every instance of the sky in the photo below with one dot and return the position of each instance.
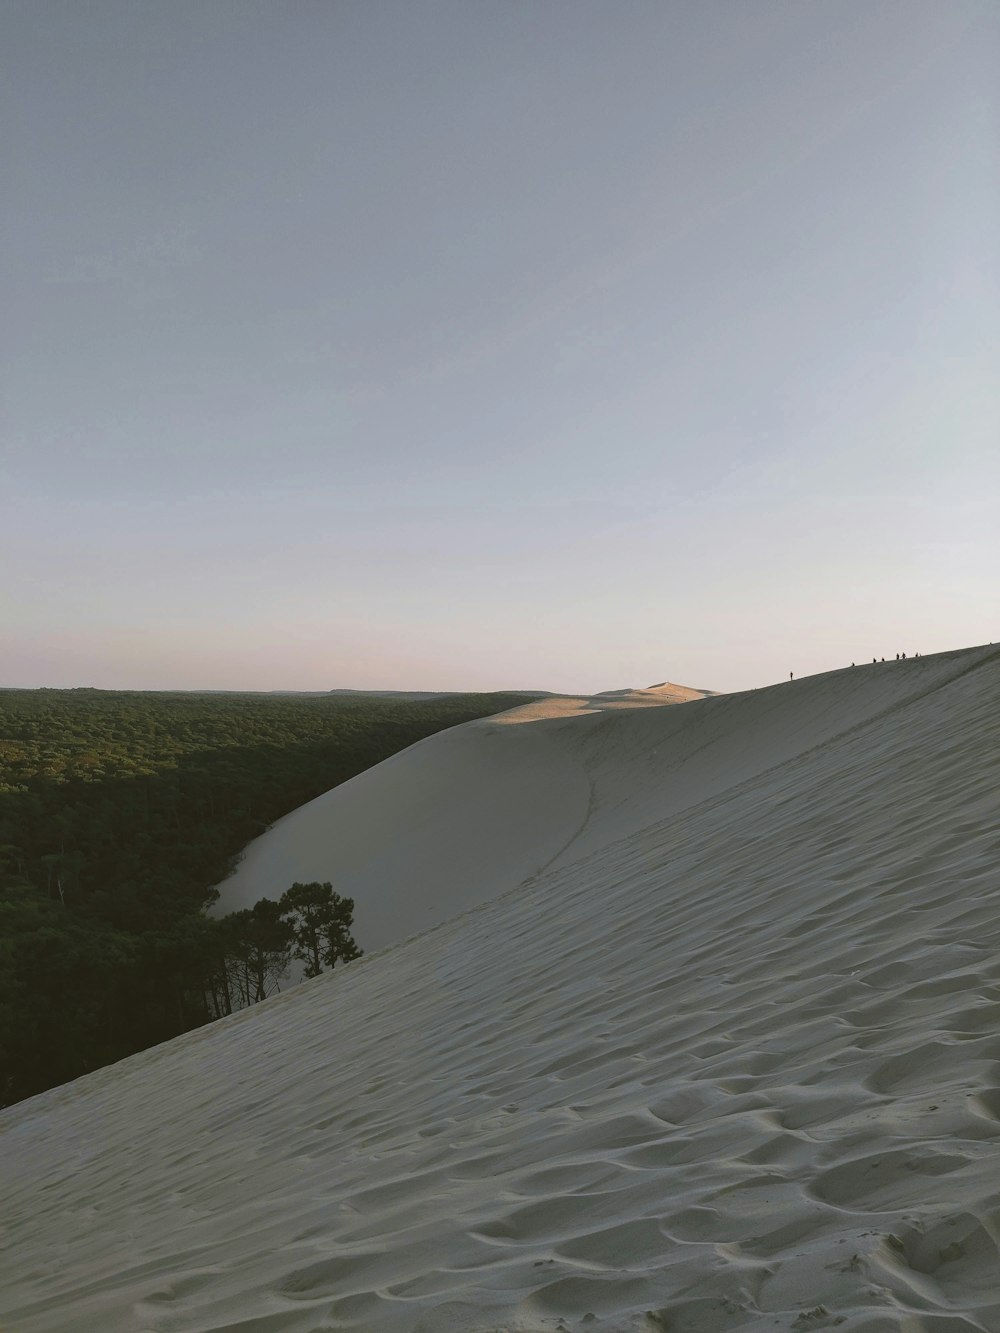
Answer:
(428, 344)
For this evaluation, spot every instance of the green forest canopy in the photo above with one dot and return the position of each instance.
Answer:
(119, 813)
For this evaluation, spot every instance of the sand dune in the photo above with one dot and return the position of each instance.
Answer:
(714, 1045)
(449, 823)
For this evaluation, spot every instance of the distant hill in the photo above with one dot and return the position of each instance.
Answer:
(416, 696)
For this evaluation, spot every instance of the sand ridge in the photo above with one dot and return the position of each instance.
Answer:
(731, 1062)
(447, 824)
(479, 809)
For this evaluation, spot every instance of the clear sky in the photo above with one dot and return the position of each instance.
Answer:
(447, 344)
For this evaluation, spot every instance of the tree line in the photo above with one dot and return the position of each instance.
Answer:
(254, 948)
(119, 813)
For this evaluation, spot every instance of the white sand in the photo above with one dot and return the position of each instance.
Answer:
(731, 1060)
(449, 823)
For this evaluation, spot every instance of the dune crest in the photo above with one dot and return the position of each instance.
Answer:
(446, 825)
(726, 1058)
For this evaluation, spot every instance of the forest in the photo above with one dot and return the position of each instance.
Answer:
(119, 813)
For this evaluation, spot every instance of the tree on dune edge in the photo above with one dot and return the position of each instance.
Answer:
(255, 946)
(321, 923)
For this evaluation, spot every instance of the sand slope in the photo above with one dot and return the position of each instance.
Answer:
(731, 1060)
(449, 823)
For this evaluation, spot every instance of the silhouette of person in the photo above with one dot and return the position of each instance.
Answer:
(790, 677)
(904, 657)
(897, 657)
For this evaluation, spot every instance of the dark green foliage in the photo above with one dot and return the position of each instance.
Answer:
(62, 1001)
(257, 949)
(321, 924)
(119, 812)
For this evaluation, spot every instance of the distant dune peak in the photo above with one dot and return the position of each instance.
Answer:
(561, 705)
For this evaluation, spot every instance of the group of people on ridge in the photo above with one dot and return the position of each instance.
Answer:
(900, 657)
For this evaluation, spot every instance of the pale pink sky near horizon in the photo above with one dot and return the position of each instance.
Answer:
(434, 346)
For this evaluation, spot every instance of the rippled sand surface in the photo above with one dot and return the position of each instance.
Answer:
(723, 1053)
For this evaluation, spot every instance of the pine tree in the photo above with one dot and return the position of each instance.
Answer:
(259, 950)
(321, 923)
